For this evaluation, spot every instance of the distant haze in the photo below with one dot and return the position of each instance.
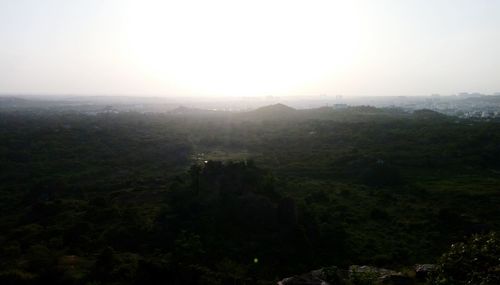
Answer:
(249, 48)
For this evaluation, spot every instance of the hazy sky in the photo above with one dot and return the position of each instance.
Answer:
(231, 47)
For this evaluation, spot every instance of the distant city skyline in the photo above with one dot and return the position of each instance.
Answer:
(249, 48)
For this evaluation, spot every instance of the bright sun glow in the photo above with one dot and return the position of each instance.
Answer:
(229, 47)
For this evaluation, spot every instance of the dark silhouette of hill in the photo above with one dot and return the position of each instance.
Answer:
(271, 112)
(11, 102)
(428, 114)
(281, 112)
(280, 108)
(483, 99)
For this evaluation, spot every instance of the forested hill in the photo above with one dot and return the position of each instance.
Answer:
(131, 198)
(281, 112)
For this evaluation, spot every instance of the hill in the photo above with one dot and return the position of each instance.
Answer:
(271, 112)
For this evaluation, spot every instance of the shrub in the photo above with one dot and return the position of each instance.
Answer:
(475, 261)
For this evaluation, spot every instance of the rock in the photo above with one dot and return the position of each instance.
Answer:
(304, 279)
(396, 280)
(378, 275)
(422, 271)
(324, 276)
(356, 274)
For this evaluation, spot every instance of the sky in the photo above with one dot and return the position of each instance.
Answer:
(249, 48)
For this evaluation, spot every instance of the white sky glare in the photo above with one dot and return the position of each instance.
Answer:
(249, 48)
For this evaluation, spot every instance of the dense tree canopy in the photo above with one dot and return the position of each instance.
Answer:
(132, 198)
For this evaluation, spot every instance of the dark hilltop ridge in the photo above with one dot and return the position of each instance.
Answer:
(282, 113)
(479, 107)
(274, 109)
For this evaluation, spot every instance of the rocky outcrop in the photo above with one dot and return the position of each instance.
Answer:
(378, 275)
(357, 274)
(323, 276)
(422, 271)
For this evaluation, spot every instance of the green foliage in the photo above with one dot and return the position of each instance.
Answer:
(154, 199)
(188, 248)
(475, 261)
(17, 277)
